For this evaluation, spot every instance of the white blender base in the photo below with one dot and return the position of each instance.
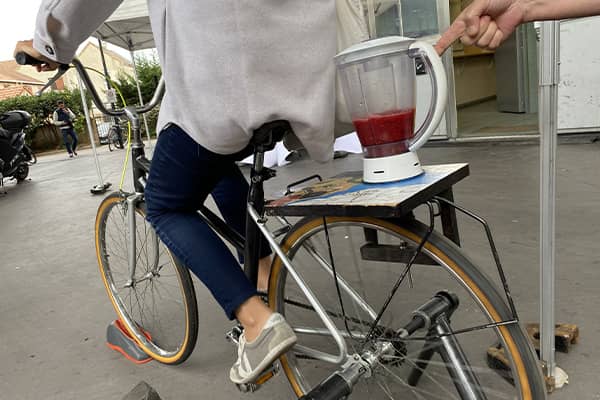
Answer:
(391, 169)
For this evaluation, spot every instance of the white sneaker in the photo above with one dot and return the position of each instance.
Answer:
(276, 338)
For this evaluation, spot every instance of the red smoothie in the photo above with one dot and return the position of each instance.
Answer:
(394, 127)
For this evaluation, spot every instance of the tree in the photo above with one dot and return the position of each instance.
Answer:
(149, 74)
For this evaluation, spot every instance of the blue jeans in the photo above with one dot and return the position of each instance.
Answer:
(71, 147)
(182, 175)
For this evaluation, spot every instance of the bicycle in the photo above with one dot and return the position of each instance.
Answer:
(364, 294)
(115, 137)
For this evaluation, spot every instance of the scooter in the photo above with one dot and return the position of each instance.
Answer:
(15, 155)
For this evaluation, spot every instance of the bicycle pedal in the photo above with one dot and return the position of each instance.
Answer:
(266, 375)
(234, 334)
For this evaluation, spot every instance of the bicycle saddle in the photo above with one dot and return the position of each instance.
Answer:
(267, 135)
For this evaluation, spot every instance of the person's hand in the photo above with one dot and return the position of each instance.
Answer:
(26, 46)
(484, 23)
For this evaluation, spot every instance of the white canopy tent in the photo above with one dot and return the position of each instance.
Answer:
(128, 27)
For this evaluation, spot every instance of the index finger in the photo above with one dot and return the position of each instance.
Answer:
(454, 32)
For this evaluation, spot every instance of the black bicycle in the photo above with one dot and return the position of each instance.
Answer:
(115, 137)
(383, 308)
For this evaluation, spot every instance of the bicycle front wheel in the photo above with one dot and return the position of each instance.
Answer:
(158, 303)
(369, 256)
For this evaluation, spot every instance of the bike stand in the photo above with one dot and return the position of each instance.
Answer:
(447, 346)
(118, 339)
(565, 335)
(100, 189)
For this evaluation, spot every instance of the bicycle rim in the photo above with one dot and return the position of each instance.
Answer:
(158, 307)
(372, 279)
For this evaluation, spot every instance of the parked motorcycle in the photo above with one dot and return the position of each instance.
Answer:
(15, 155)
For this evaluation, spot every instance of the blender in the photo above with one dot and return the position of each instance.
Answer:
(378, 80)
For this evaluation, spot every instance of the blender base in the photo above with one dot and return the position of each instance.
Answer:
(391, 169)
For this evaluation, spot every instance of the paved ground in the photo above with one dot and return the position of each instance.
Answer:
(54, 311)
(484, 119)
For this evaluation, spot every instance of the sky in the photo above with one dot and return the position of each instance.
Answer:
(18, 23)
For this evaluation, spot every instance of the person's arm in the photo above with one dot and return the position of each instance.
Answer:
(61, 26)
(71, 114)
(487, 23)
(539, 10)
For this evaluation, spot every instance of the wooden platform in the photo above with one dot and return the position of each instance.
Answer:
(347, 195)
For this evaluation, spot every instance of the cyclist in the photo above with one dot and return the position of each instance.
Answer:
(487, 23)
(229, 67)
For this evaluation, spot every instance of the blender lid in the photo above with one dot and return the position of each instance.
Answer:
(373, 48)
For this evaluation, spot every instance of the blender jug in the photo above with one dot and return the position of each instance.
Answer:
(379, 85)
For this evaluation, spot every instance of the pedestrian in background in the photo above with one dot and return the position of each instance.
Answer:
(63, 117)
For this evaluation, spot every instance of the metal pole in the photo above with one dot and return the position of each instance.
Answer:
(137, 83)
(101, 187)
(106, 75)
(548, 99)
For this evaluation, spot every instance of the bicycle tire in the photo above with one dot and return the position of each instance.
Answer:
(167, 348)
(113, 138)
(528, 380)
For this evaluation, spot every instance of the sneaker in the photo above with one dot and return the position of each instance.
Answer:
(70, 155)
(74, 152)
(276, 338)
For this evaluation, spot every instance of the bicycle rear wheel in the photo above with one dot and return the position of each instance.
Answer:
(369, 255)
(158, 307)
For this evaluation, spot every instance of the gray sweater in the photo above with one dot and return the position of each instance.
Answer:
(229, 65)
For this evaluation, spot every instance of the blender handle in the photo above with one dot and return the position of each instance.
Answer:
(439, 88)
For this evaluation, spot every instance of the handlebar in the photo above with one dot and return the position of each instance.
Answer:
(23, 58)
